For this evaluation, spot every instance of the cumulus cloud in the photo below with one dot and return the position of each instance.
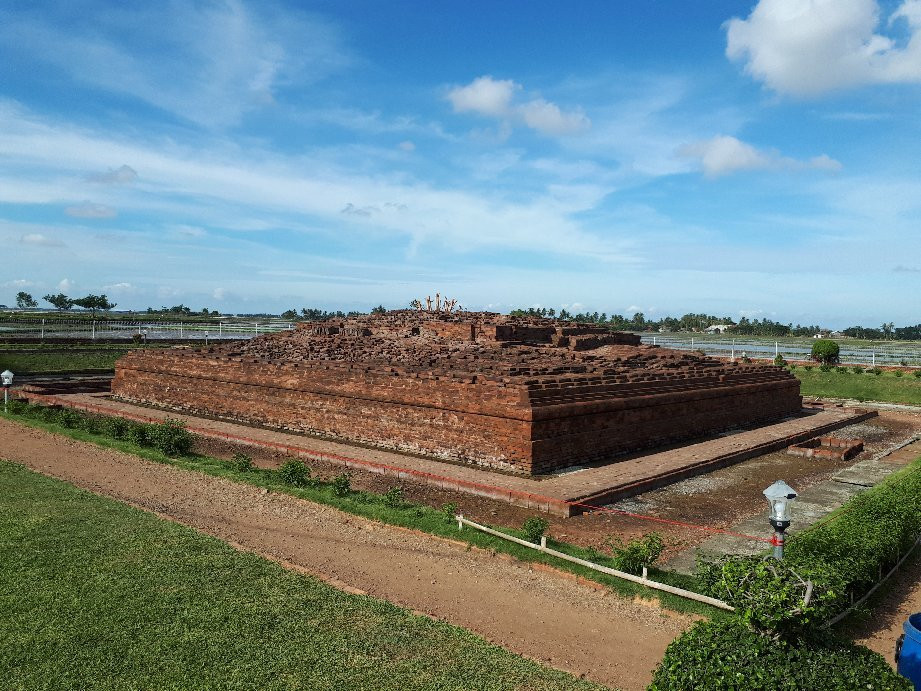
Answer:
(119, 287)
(18, 283)
(808, 48)
(723, 155)
(90, 210)
(122, 175)
(495, 98)
(407, 145)
(40, 240)
(65, 285)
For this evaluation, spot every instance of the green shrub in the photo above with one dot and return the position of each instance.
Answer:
(875, 370)
(170, 437)
(727, 655)
(826, 351)
(917, 374)
(449, 511)
(899, 373)
(342, 484)
(393, 497)
(808, 368)
(825, 367)
(857, 369)
(770, 595)
(792, 366)
(534, 528)
(295, 472)
(841, 370)
(779, 361)
(241, 462)
(137, 433)
(632, 556)
(69, 418)
(115, 427)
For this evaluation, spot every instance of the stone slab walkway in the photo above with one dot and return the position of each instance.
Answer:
(564, 495)
(811, 506)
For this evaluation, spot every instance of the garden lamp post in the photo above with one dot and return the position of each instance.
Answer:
(780, 496)
(7, 378)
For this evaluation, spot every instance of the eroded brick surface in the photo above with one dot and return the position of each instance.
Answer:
(526, 395)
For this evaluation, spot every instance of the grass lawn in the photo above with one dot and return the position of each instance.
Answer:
(862, 387)
(95, 594)
(57, 361)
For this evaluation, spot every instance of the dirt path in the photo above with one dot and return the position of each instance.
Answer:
(901, 599)
(538, 614)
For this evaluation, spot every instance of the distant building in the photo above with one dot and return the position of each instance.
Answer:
(718, 328)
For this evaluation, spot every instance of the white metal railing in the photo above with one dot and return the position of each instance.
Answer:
(905, 354)
(642, 580)
(152, 330)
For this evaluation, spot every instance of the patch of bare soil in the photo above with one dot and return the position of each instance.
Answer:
(533, 612)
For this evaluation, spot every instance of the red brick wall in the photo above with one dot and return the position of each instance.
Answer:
(535, 427)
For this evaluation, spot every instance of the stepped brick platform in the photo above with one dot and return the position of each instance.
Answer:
(529, 396)
(827, 447)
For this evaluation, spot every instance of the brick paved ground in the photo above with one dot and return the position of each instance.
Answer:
(593, 486)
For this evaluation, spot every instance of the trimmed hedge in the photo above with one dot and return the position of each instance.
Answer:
(875, 528)
(728, 655)
(843, 558)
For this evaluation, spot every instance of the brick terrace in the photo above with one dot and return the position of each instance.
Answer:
(525, 395)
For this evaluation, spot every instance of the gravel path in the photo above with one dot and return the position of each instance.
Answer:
(533, 612)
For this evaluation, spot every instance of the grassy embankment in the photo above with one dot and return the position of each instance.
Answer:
(391, 510)
(862, 387)
(95, 594)
(39, 360)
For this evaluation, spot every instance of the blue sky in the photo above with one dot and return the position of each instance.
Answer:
(754, 159)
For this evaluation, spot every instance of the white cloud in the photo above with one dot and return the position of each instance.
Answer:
(65, 285)
(119, 287)
(808, 48)
(122, 175)
(723, 154)
(208, 62)
(218, 293)
(407, 145)
(494, 98)
(90, 210)
(40, 240)
(18, 283)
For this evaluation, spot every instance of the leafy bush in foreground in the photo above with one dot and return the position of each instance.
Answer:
(632, 556)
(295, 473)
(771, 595)
(534, 528)
(729, 655)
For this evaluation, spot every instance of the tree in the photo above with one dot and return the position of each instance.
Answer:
(887, 330)
(290, 315)
(61, 301)
(826, 351)
(24, 300)
(380, 309)
(94, 302)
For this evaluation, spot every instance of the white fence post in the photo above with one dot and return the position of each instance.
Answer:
(94, 329)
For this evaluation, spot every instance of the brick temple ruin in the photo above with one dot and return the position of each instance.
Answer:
(526, 395)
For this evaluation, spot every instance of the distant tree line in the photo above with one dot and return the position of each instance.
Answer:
(700, 322)
(60, 301)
